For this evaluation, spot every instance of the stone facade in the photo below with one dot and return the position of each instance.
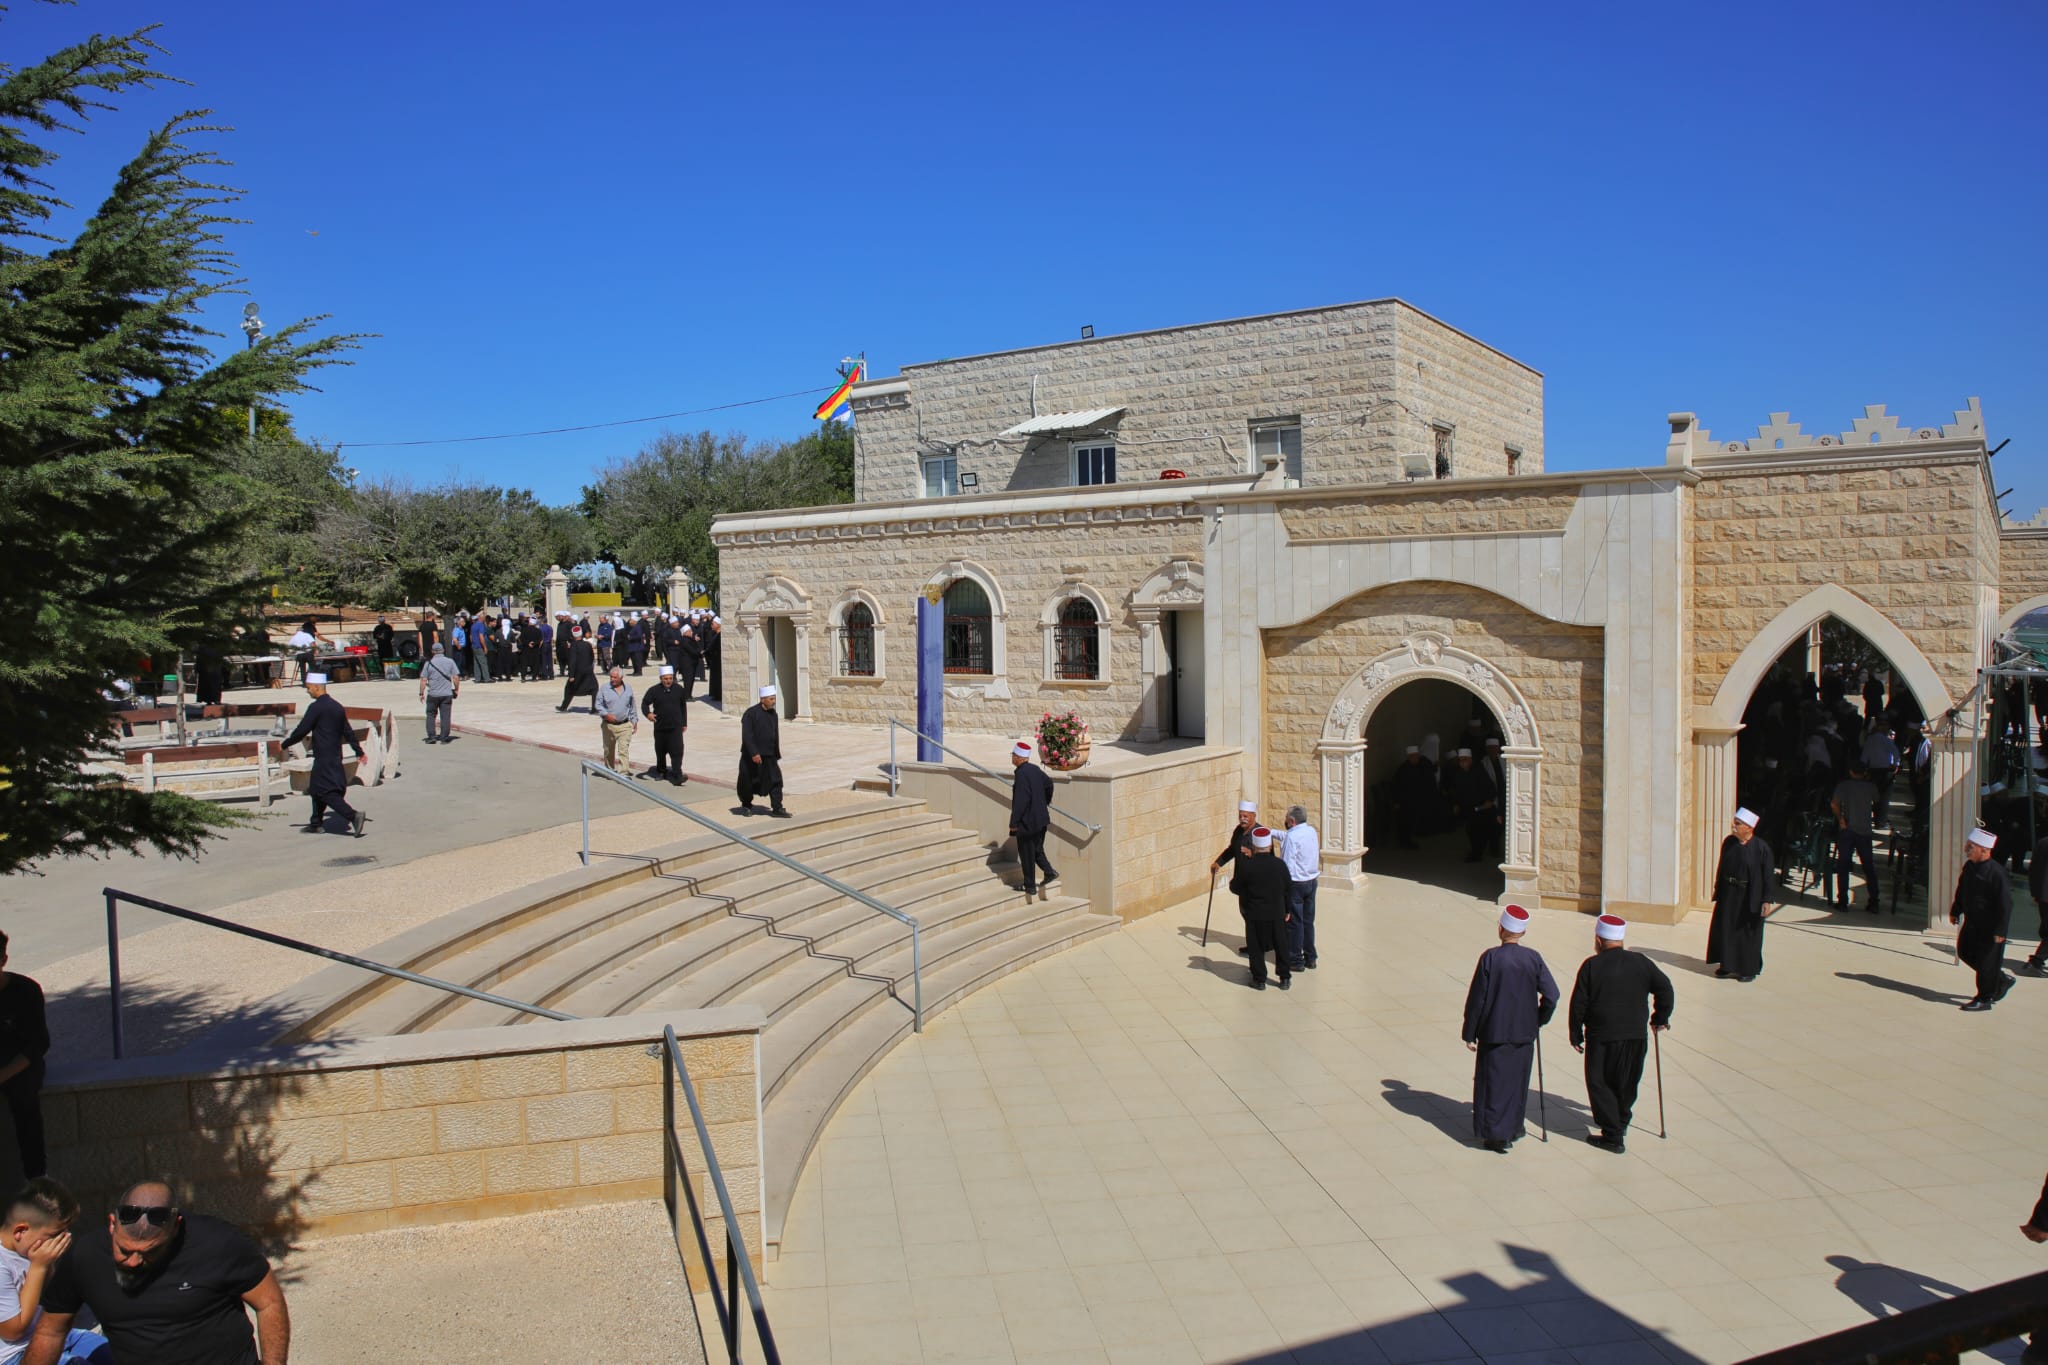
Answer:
(1367, 382)
(1557, 667)
(2022, 572)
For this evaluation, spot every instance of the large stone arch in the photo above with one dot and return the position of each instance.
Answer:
(1789, 625)
(1341, 752)
(2011, 616)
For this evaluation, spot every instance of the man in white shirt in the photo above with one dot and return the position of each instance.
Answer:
(1302, 851)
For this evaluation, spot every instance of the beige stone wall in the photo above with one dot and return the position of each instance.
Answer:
(1407, 514)
(423, 1129)
(1165, 816)
(1027, 563)
(2022, 567)
(1557, 667)
(1365, 380)
(1908, 538)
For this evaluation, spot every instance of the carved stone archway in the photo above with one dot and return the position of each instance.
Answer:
(1176, 585)
(1341, 752)
(773, 595)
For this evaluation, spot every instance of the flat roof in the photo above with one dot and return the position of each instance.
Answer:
(1219, 322)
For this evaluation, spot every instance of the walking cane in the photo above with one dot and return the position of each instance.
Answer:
(1542, 1109)
(1657, 1042)
(1207, 908)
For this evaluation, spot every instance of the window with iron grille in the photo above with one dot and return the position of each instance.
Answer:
(1077, 642)
(968, 635)
(1443, 452)
(859, 647)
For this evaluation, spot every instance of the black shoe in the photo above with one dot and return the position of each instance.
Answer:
(561, 708)
(1030, 892)
(1051, 877)
(357, 822)
(2033, 968)
(2005, 981)
(1612, 1144)
(781, 813)
(743, 810)
(1286, 982)
(1258, 984)
(1724, 973)
(1495, 1145)
(1309, 965)
(1746, 979)
(1976, 1006)
(313, 828)
(1245, 951)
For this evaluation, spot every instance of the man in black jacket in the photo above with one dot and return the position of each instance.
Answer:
(1983, 906)
(669, 710)
(761, 756)
(1610, 1024)
(1234, 851)
(1262, 884)
(326, 725)
(582, 672)
(1030, 817)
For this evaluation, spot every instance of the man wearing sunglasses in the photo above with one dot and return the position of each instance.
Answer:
(168, 1287)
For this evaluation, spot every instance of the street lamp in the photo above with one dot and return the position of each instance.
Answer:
(252, 327)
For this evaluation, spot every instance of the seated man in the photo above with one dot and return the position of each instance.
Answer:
(168, 1287)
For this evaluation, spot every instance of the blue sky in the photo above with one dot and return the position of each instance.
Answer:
(556, 215)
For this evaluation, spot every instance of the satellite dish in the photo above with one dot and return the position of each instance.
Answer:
(249, 309)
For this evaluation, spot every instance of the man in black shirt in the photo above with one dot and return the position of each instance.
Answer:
(168, 1288)
(1610, 1023)
(24, 1041)
(1262, 885)
(761, 756)
(1983, 906)
(1030, 817)
(668, 709)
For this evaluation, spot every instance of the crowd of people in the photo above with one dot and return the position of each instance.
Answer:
(1432, 791)
(578, 647)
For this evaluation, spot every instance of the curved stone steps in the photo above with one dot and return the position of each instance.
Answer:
(623, 917)
(608, 972)
(794, 1117)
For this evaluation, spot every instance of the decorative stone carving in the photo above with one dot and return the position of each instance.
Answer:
(1875, 427)
(1427, 647)
(775, 600)
(1341, 713)
(1182, 593)
(1374, 679)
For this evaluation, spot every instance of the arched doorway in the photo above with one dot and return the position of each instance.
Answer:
(1821, 689)
(1427, 680)
(1413, 828)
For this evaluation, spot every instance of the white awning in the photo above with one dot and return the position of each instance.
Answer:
(1054, 422)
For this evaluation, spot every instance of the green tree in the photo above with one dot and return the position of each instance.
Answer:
(455, 546)
(113, 543)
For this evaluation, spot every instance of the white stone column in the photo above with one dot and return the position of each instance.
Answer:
(1522, 823)
(1714, 799)
(678, 589)
(802, 626)
(1154, 678)
(756, 642)
(554, 591)
(1343, 765)
(1954, 815)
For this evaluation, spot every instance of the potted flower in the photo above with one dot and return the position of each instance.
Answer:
(1063, 739)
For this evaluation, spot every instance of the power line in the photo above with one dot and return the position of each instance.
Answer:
(590, 426)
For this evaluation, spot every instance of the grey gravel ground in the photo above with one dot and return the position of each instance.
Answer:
(597, 1284)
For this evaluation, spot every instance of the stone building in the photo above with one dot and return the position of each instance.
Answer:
(1259, 532)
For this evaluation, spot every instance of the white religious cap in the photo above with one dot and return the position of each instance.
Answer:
(1983, 838)
(717, 620)
(768, 691)
(1492, 742)
(1262, 837)
(1610, 927)
(1464, 753)
(1746, 816)
(688, 631)
(667, 671)
(316, 680)
(1247, 807)
(1020, 750)
(1414, 748)
(1515, 920)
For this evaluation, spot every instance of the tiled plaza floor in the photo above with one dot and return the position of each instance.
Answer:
(1124, 1154)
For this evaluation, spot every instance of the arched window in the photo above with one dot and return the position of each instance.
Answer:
(857, 647)
(969, 635)
(1077, 642)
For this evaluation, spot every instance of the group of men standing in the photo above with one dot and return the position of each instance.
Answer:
(1274, 877)
(538, 648)
(1468, 792)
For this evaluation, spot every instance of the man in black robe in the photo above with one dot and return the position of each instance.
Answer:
(1262, 884)
(582, 672)
(2037, 886)
(326, 725)
(1234, 851)
(692, 655)
(761, 755)
(668, 710)
(381, 634)
(1512, 996)
(1610, 1020)
(1983, 906)
(1030, 817)
(1742, 891)
(714, 687)
(2035, 1230)
(1415, 797)
(1476, 803)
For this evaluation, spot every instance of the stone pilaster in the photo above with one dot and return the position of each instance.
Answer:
(1955, 801)
(1714, 799)
(555, 590)
(1522, 831)
(1343, 771)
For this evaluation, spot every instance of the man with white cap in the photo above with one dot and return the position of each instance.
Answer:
(668, 709)
(1511, 997)
(1475, 801)
(1261, 884)
(761, 755)
(1610, 1019)
(1415, 797)
(715, 677)
(326, 725)
(1234, 851)
(1030, 816)
(1742, 900)
(1983, 906)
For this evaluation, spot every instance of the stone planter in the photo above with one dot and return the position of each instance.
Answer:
(1079, 758)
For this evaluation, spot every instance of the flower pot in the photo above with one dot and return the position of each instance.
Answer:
(1080, 756)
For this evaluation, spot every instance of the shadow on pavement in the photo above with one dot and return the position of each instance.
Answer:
(1903, 988)
(1882, 1290)
(1547, 1314)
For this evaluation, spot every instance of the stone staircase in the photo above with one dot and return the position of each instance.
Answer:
(705, 922)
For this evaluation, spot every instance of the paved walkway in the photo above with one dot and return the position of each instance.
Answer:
(1124, 1154)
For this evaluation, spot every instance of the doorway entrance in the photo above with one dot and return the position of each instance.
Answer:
(781, 639)
(1424, 813)
(1182, 630)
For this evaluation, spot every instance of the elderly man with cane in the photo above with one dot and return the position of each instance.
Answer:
(1511, 998)
(1611, 1023)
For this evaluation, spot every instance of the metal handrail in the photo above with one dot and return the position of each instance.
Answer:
(739, 1270)
(298, 945)
(895, 725)
(591, 769)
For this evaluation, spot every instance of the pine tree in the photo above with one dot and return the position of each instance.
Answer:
(116, 544)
